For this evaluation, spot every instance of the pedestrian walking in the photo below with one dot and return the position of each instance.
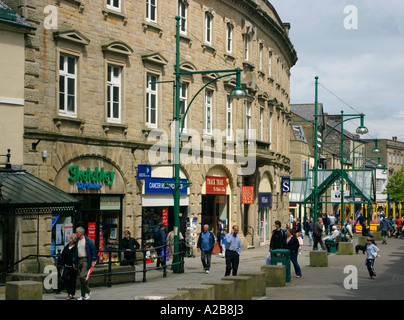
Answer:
(398, 226)
(87, 257)
(292, 244)
(233, 251)
(159, 244)
(68, 262)
(299, 227)
(130, 245)
(300, 239)
(278, 238)
(170, 242)
(310, 228)
(384, 227)
(326, 223)
(220, 228)
(317, 235)
(372, 252)
(206, 242)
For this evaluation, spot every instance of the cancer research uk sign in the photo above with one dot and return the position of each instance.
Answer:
(163, 186)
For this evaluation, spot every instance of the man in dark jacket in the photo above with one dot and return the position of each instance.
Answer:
(317, 235)
(130, 245)
(159, 242)
(206, 242)
(278, 238)
(87, 258)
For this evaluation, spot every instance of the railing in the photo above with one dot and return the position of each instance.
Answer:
(109, 273)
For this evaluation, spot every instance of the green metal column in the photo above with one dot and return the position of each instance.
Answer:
(315, 181)
(342, 211)
(177, 191)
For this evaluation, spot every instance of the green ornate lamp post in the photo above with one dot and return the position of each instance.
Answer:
(238, 92)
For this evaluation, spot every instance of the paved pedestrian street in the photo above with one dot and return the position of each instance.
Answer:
(317, 283)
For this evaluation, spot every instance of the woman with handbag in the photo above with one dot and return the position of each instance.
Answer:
(69, 266)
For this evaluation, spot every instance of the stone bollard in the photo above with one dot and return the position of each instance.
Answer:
(23, 290)
(362, 240)
(200, 292)
(181, 295)
(345, 248)
(275, 275)
(258, 282)
(242, 287)
(377, 236)
(224, 290)
(318, 259)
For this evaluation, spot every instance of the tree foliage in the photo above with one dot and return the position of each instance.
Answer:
(395, 186)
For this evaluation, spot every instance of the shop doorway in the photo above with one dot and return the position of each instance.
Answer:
(215, 207)
(101, 217)
(153, 216)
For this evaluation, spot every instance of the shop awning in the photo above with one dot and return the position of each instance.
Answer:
(21, 193)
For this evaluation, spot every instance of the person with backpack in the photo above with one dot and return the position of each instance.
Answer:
(278, 238)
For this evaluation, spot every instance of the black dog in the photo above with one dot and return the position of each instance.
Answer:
(360, 247)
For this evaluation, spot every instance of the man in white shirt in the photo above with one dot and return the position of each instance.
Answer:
(233, 251)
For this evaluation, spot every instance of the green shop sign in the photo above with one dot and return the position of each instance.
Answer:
(87, 177)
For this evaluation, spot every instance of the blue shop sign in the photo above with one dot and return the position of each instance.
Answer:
(159, 186)
(286, 184)
(265, 199)
(143, 171)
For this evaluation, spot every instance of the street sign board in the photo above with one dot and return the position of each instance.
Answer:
(143, 171)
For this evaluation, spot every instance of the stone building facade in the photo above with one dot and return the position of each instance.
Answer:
(92, 101)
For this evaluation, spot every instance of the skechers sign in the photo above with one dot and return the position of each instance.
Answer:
(91, 179)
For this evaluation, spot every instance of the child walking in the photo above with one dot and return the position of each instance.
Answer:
(372, 252)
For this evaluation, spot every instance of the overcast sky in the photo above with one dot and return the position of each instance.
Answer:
(364, 67)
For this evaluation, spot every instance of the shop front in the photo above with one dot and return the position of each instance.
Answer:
(264, 216)
(99, 186)
(158, 207)
(265, 223)
(215, 203)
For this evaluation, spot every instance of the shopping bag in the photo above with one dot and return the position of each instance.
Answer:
(268, 259)
(162, 255)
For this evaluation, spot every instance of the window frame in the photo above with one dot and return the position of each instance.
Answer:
(151, 7)
(208, 27)
(110, 86)
(229, 37)
(270, 63)
(208, 115)
(246, 47)
(64, 73)
(184, 100)
(248, 119)
(183, 5)
(148, 94)
(114, 8)
(229, 122)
